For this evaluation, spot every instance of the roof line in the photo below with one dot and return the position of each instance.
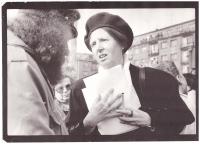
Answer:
(165, 27)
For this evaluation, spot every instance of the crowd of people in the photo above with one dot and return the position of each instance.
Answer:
(36, 49)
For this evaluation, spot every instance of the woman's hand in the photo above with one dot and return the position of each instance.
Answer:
(104, 107)
(134, 117)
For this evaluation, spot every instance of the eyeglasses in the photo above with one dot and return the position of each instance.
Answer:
(61, 89)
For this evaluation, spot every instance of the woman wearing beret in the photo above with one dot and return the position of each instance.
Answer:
(162, 112)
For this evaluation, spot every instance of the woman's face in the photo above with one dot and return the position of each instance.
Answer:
(106, 50)
(62, 90)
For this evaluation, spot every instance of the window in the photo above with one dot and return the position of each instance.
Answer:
(154, 49)
(174, 56)
(164, 44)
(184, 42)
(154, 61)
(174, 43)
(185, 56)
(187, 41)
(164, 57)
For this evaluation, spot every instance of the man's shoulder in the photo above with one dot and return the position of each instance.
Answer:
(15, 51)
(16, 54)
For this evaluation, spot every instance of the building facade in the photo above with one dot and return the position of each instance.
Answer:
(176, 43)
(85, 65)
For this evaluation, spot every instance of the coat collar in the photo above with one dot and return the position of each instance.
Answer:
(13, 39)
(17, 42)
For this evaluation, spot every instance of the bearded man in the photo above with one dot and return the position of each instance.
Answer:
(36, 49)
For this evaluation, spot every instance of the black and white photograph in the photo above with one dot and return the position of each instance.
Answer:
(100, 71)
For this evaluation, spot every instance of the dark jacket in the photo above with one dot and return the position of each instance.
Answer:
(160, 99)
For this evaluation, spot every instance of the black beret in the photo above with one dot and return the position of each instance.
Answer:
(115, 22)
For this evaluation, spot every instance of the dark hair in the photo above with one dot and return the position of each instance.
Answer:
(191, 80)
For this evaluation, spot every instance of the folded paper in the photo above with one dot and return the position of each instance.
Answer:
(100, 83)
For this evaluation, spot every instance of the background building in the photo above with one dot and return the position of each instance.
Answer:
(175, 43)
(85, 65)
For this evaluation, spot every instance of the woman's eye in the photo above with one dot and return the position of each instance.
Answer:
(93, 44)
(104, 40)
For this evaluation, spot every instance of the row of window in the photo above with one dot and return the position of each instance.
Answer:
(170, 32)
(185, 59)
(184, 69)
(154, 48)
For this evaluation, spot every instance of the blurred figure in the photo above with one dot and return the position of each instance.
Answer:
(170, 67)
(62, 93)
(191, 81)
(36, 49)
(190, 100)
(187, 92)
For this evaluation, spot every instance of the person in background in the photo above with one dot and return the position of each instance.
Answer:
(191, 101)
(108, 37)
(191, 81)
(62, 93)
(36, 49)
(170, 67)
(187, 87)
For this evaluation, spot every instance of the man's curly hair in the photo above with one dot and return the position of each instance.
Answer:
(46, 32)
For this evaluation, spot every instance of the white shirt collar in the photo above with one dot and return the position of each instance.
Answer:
(126, 70)
(125, 66)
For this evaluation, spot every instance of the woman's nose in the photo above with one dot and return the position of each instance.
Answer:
(99, 48)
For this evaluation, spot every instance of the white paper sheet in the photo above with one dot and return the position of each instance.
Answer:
(102, 82)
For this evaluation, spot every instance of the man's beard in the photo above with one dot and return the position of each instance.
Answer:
(53, 70)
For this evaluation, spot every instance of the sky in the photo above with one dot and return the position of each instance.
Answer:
(140, 20)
